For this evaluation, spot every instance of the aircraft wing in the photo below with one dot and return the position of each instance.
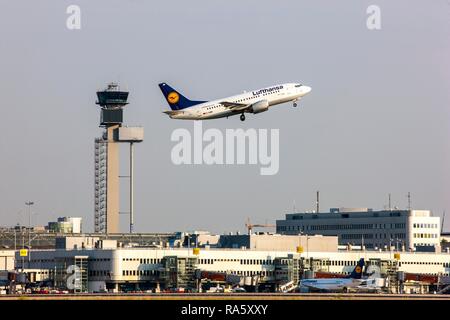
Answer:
(234, 106)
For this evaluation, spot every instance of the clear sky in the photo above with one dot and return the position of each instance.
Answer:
(376, 122)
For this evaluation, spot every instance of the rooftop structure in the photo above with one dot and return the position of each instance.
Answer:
(11, 238)
(278, 242)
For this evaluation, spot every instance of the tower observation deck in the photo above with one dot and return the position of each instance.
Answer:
(112, 100)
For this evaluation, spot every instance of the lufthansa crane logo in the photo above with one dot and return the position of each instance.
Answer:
(358, 269)
(173, 97)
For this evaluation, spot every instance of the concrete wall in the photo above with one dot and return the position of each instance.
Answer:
(279, 242)
(282, 242)
(107, 244)
(70, 243)
(207, 239)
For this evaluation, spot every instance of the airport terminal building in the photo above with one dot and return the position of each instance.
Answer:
(108, 267)
(409, 229)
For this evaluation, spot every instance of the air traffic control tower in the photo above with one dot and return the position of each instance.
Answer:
(112, 101)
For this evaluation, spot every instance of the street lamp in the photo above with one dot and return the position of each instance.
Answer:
(307, 248)
(301, 244)
(390, 250)
(29, 204)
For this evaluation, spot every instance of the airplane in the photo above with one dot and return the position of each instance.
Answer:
(338, 284)
(255, 101)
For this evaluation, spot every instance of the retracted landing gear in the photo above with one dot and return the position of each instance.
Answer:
(242, 117)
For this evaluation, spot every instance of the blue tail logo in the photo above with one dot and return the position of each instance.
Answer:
(175, 99)
(357, 272)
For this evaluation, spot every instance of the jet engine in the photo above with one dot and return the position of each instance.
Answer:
(260, 106)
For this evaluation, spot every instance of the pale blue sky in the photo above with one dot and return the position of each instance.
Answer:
(376, 121)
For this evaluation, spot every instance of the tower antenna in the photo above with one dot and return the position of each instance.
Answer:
(317, 202)
(390, 207)
(409, 200)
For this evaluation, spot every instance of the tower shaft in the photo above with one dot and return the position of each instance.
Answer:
(112, 181)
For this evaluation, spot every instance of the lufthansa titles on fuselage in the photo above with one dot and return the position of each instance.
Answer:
(268, 90)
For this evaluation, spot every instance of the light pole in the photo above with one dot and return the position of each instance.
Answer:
(390, 250)
(29, 204)
(307, 249)
(301, 243)
(23, 247)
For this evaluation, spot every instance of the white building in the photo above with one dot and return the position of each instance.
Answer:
(412, 229)
(116, 268)
(66, 225)
(7, 259)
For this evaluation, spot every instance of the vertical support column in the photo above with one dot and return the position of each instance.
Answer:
(317, 202)
(390, 202)
(112, 205)
(131, 187)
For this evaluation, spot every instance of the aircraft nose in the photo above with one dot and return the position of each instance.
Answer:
(306, 89)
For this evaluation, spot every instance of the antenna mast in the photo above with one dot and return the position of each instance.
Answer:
(390, 207)
(317, 202)
(409, 200)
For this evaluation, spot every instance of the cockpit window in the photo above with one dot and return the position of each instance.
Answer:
(298, 85)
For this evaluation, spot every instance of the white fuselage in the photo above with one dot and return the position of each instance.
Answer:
(332, 284)
(340, 284)
(215, 109)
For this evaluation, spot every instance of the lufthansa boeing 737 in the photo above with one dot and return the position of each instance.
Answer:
(338, 284)
(249, 102)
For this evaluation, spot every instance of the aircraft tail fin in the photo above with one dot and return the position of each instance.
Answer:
(175, 99)
(357, 272)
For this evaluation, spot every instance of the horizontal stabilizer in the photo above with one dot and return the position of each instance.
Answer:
(172, 112)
